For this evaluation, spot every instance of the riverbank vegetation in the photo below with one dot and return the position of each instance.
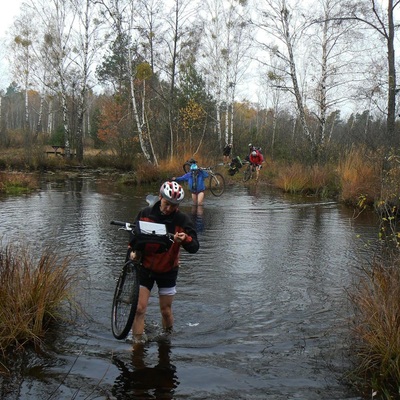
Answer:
(35, 295)
(323, 108)
(17, 182)
(355, 179)
(375, 328)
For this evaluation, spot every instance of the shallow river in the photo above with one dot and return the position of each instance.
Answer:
(261, 310)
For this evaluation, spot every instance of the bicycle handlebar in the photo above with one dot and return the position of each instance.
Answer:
(120, 223)
(127, 226)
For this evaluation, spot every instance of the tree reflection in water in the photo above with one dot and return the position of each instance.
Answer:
(139, 381)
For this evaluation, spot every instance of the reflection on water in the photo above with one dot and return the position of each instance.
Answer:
(197, 217)
(261, 310)
(141, 379)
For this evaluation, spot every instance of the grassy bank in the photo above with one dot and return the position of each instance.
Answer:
(34, 294)
(356, 179)
(13, 183)
(376, 328)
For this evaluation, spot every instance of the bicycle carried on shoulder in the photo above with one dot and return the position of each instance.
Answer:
(126, 294)
(216, 182)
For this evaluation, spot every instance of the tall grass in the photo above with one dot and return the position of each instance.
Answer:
(33, 294)
(292, 179)
(359, 174)
(298, 178)
(376, 330)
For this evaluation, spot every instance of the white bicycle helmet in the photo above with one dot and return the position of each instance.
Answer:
(172, 192)
(253, 153)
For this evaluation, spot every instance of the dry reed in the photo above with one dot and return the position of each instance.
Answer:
(298, 178)
(359, 172)
(32, 294)
(376, 330)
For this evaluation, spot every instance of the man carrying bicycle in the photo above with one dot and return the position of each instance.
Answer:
(196, 182)
(256, 159)
(161, 266)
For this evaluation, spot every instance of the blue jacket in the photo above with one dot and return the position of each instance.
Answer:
(201, 176)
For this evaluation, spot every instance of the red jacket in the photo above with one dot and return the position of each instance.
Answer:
(176, 222)
(258, 159)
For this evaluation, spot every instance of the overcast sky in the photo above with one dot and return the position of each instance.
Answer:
(9, 9)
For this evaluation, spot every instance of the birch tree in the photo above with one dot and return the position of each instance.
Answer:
(56, 18)
(279, 22)
(333, 58)
(273, 82)
(122, 15)
(381, 20)
(150, 29)
(86, 47)
(226, 49)
(22, 59)
(181, 39)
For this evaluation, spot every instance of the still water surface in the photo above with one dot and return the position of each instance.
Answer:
(261, 310)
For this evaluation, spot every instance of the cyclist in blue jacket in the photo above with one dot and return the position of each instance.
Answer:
(195, 178)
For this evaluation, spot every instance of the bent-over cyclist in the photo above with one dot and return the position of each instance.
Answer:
(256, 159)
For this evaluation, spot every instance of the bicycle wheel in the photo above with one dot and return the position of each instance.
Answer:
(217, 184)
(125, 301)
(247, 173)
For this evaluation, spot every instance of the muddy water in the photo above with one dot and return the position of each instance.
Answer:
(261, 310)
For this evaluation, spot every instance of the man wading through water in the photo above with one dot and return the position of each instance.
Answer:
(160, 265)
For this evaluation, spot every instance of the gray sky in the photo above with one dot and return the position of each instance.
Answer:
(9, 9)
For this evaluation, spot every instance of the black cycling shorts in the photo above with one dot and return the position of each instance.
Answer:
(164, 280)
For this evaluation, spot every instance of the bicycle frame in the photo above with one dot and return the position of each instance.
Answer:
(126, 294)
(216, 183)
(248, 172)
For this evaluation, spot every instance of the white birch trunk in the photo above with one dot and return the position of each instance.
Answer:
(293, 74)
(136, 115)
(39, 126)
(50, 118)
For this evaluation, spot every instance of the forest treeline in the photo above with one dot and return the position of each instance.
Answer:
(105, 129)
(161, 79)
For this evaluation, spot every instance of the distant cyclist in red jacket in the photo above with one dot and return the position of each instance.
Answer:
(256, 158)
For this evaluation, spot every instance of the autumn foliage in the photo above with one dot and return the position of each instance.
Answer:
(115, 127)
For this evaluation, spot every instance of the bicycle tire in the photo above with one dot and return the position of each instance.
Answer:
(247, 173)
(125, 300)
(186, 167)
(217, 184)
